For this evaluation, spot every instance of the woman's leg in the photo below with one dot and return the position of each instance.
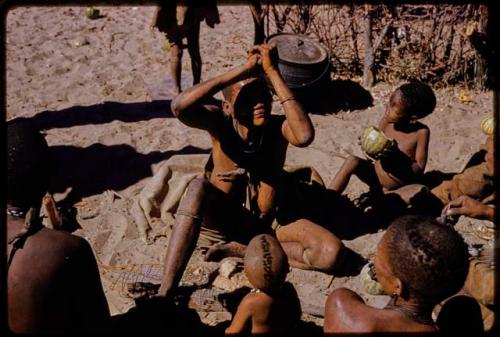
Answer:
(176, 66)
(310, 246)
(193, 45)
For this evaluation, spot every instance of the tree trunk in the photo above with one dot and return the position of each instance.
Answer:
(368, 78)
(480, 68)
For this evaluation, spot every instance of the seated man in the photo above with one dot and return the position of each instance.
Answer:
(272, 306)
(419, 262)
(246, 168)
(53, 283)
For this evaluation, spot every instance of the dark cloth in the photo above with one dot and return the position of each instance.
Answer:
(176, 20)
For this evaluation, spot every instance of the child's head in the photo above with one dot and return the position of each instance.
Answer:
(248, 101)
(27, 165)
(266, 264)
(410, 102)
(419, 259)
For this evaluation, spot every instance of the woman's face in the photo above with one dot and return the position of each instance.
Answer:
(253, 107)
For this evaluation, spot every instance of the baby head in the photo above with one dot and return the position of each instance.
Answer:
(419, 259)
(266, 264)
(410, 102)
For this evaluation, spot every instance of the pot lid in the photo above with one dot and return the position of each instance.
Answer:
(299, 49)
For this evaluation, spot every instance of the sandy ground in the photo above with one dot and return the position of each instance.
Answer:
(100, 91)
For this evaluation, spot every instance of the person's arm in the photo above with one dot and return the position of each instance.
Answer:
(189, 105)
(465, 205)
(297, 128)
(418, 165)
(242, 318)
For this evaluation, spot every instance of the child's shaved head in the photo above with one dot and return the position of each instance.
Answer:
(430, 259)
(27, 165)
(418, 98)
(266, 263)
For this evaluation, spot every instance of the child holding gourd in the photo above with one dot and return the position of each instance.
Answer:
(398, 148)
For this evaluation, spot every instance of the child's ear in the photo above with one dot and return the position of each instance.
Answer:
(413, 119)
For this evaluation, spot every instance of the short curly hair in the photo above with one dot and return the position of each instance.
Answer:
(418, 97)
(430, 259)
(28, 165)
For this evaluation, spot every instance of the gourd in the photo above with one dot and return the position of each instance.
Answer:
(92, 13)
(374, 142)
(488, 124)
(370, 285)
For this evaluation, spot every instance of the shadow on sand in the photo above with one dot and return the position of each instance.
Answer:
(97, 168)
(98, 114)
(332, 96)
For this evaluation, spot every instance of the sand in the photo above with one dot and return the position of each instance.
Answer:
(100, 92)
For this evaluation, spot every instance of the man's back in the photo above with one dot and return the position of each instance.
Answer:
(53, 284)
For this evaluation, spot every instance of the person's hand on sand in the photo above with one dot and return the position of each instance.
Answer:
(268, 56)
(465, 205)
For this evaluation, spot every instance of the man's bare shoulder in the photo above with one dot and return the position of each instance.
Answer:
(344, 306)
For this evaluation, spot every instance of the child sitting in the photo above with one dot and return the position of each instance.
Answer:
(406, 161)
(419, 263)
(272, 306)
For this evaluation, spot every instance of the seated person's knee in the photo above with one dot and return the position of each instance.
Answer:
(329, 255)
(332, 255)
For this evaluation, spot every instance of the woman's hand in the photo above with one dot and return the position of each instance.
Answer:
(268, 57)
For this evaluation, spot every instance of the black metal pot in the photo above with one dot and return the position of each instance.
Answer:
(303, 62)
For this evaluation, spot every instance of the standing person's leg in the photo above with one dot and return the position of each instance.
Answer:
(176, 65)
(185, 233)
(310, 246)
(258, 22)
(193, 45)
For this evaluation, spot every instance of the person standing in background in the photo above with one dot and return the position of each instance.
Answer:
(181, 19)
